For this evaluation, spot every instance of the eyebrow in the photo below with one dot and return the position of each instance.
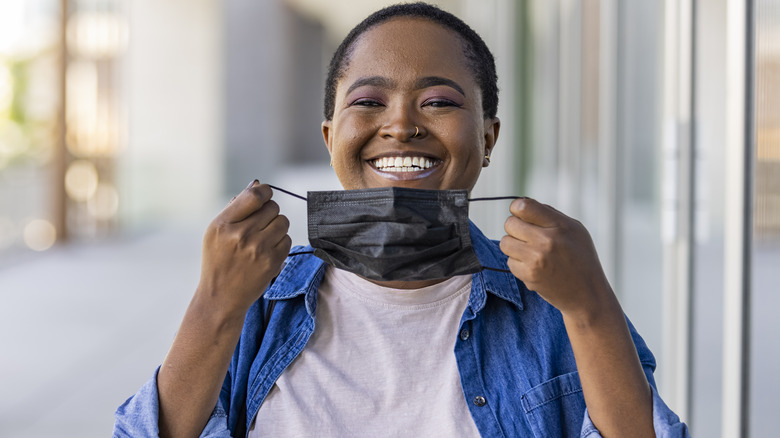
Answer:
(432, 81)
(376, 81)
(383, 82)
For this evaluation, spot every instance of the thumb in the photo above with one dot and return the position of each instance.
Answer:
(247, 202)
(534, 212)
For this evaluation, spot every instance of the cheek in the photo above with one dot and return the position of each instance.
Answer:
(351, 133)
(466, 139)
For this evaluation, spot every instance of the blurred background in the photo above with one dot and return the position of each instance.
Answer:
(125, 126)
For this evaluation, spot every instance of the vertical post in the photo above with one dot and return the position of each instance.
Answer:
(494, 20)
(678, 202)
(740, 33)
(610, 231)
(60, 157)
(568, 111)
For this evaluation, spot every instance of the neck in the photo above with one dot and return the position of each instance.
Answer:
(418, 284)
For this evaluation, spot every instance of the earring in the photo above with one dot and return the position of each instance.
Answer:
(487, 157)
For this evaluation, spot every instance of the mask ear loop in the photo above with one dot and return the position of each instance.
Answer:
(301, 198)
(288, 192)
(494, 198)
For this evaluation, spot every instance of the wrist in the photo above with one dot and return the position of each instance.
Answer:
(601, 308)
(213, 309)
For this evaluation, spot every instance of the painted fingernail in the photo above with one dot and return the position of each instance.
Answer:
(253, 183)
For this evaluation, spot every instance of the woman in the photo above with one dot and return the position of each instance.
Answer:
(411, 102)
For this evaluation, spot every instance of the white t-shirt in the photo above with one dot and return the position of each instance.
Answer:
(379, 363)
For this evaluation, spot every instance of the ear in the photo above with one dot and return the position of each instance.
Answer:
(492, 127)
(326, 135)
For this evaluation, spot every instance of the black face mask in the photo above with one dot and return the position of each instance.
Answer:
(393, 233)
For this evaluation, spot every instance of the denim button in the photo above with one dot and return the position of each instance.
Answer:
(464, 334)
(479, 400)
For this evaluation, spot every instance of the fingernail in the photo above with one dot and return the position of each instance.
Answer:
(253, 183)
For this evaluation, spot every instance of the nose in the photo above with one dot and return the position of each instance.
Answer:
(400, 125)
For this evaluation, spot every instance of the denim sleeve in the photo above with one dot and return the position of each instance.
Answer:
(665, 422)
(138, 416)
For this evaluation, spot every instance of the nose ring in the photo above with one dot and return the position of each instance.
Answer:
(416, 132)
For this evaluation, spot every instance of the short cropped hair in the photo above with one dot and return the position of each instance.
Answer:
(480, 59)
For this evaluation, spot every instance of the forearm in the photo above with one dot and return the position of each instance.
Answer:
(191, 376)
(616, 391)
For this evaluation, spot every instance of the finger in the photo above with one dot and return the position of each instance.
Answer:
(524, 262)
(282, 249)
(277, 228)
(517, 253)
(284, 244)
(519, 269)
(515, 248)
(534, 212)
(274, 240)
(247, 202)
(517, 228)
(270, 234)
(525, 231)
(261, 218)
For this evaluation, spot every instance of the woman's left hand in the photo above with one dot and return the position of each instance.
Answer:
(554, 256)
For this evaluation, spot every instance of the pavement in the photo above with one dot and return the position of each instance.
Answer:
(83, 326)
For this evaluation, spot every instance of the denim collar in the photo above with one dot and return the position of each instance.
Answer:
(302, 275)
(501, 284)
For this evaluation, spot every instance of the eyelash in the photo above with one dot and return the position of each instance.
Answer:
(435, 103)
(367, 102)
(440, 103)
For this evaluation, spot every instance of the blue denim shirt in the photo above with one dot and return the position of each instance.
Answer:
(515, 361)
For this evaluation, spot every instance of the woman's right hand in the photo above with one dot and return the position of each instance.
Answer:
(243, 250)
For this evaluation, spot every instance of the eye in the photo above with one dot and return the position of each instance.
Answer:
(367, 102)
(440, 103)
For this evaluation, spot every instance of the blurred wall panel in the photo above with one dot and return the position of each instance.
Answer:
(255, 66)
(710, 133)
(171, 167)
(765, 257)
(274, 74)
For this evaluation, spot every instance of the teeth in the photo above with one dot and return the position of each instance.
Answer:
(402, 164)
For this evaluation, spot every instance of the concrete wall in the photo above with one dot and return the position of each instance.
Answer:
(171, 167)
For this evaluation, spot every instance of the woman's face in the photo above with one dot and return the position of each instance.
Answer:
(403, 75)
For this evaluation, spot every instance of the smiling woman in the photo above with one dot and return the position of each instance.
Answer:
(430, 110)
(537, 345)
(383, 118)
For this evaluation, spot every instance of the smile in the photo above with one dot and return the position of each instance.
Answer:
(402, 164)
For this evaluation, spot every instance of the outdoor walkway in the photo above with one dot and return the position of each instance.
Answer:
(82, 327)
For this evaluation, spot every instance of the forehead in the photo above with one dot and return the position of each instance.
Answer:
(408, 46)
